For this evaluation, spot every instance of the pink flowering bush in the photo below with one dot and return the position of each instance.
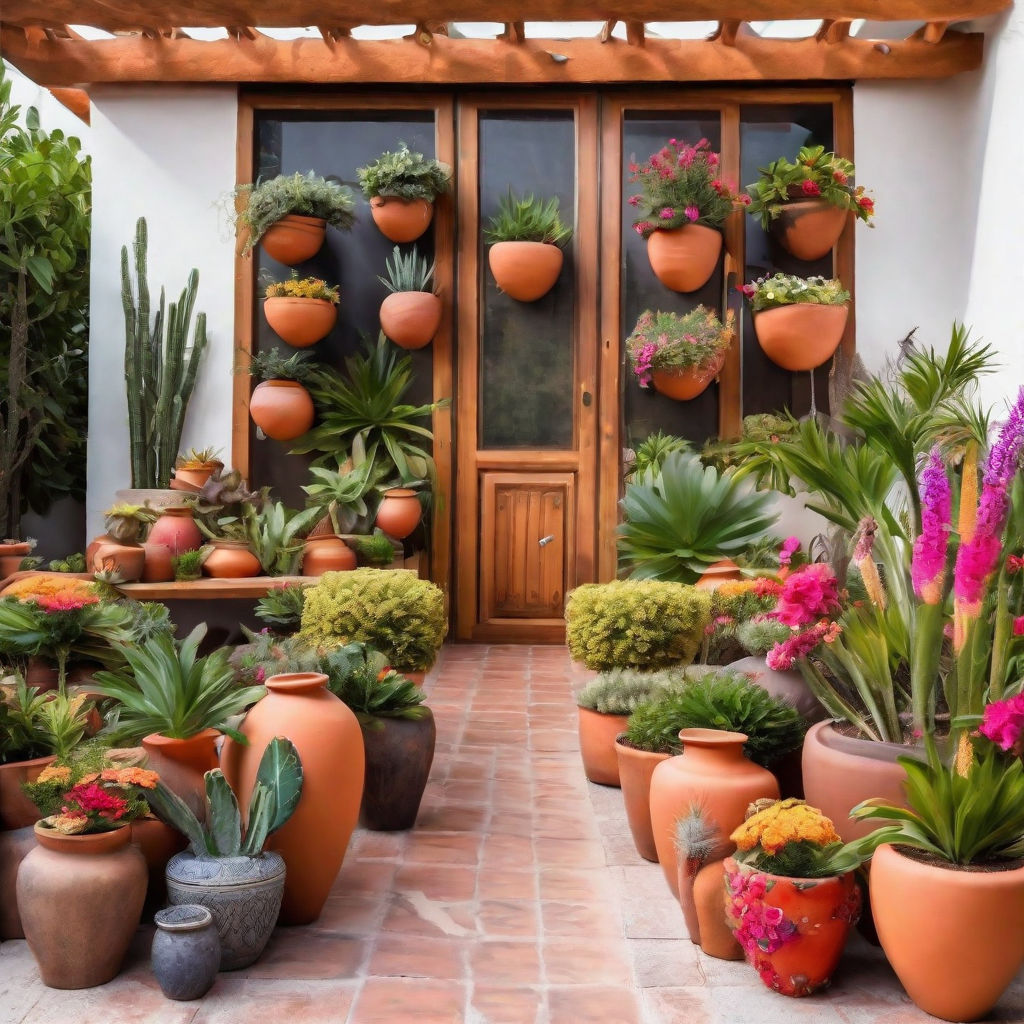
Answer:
(1003, 724)
(667, 341)
(807, 595)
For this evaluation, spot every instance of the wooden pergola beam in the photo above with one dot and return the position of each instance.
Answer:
(635, 33)
(833, 31)
(76, 100)
(57, 62)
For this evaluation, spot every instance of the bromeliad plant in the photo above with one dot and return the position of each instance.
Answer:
(275, 535)
(789, 290)
(697, 340)
(409, 273)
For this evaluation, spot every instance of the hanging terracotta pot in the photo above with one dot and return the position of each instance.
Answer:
(330, 745)
(954, 938)
(181, 764)
(282, 409)
(399, 753)
(300, 322)
(15, 846)
(127, 560)
(809, 228)
(326, 554)
(792, 930)
(401, 220)
(158, 567)
(597, 733)
(294, 239)
(399, 512)
(525, 271)
(684, 383)
(80, 899)
(713, 934)
(684, 259)
(176, 528)
(194, 477)
(231, 560)
(16, 810)
(11, 556)
(801, 336)
(713, 772)
(635, 770)
(410, 319)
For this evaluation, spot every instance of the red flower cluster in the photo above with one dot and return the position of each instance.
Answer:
(90, 800)
(65, 602)
(799, 645)
(808, 594)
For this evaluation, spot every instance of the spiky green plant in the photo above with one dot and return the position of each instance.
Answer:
(272, 365)
(282, 606)
(275, 535)
(189, 565)
(653, 450)
(760, 635)
(308, 195)
(408, 273)
(376, 550)
(619, 691)
(404, 174)
(363, 679)
(527, 219)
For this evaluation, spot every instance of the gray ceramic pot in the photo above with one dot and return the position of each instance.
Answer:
(186, 951)
(242, 893)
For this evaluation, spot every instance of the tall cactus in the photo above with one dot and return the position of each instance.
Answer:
(159, 367)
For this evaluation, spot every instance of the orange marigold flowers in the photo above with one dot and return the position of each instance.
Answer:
(55, 773)
(131, 777)
(787, 821)
(46, 586)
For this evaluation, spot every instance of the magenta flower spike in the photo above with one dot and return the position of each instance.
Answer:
(927, 568)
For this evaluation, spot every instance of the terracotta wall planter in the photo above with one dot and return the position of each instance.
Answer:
(181, 764)
(399, 513)
(525, 271)
(401, 220)
(399, 754)
(685, 383)
(684, 258)
(16, 810)
(282, 409)
(635, 770)
(411, 319)
(809, 228)
(231, 560)
(326, 554)
(300, 322)
(800, 336)
(11, 556)
(597, 733)
(294, 239)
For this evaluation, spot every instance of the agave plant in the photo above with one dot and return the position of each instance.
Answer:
(679, 521)
(275, 535)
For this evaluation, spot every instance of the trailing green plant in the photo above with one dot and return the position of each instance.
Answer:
(275, 535)
(404, 174)
(362, 677)
(302, 288)
(394, 611)
(696, 340)
(375, 550)
(408, 273)
(652, 451)
(527, 219)
(189, 565)
(272, 365)
(125, 523)
(619, 691)
(635, 624)
(789, 290)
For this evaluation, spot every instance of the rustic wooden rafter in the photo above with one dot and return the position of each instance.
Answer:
(635, 33)
(932, 31)
(332, 33)
(515, 32)
(726, 32)
(76, 100)
(833, 31)
(606, 30)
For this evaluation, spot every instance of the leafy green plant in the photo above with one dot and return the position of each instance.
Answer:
(281, 607)
(789, 290)
(74, 562)
(404, 174)
(198, 458)
(527, 219)
(635, 624)
(62, 720)
(363, 679)
(272, 365)
(302, 288)
(21, 737)
(409, 273)
(677, 522)
(340, 494)
(651, 452)
(125, 522)
(667, 341)
(220, 507)
(275, 535)
(619, 691)
(375, 550)
(189, 565)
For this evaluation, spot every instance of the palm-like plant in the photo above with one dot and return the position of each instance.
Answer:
(341, 493)
(275, 535)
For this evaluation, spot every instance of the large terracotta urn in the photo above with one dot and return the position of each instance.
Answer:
(330, 745)
(684, 258)
(800, 336)
(326, 554)
(15, 846)
(80, 899)
(411, 319)
(16, 810)
(399, 753)
(399, 512)
(182, 763)
(809, 228)
(294, 239)
(955, 938)
(282, 409)
(525, 271)
(597, 734)
(401, 220)
(176, 528)
(635, 770)
(300, 322)
(231, 560)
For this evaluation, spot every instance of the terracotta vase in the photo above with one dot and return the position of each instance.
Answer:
(399, 754)
(300, 322)
(80, 899)
(401, 220)
(127, 560)
(11, 556)
(282, 409)
(15, 846)
(294, 239)
(195, 476)
(158, 566)
(326, 554)
(525, 271)
(635, 770)
(713, 932)
(712, 772)
(181, 764)
(410, 319)
(800, 336)
(16, 810)
(176, 528)
(597, 733)
(954, 938)
(231, 560)
(330, 745)
(725, 570)
(399, 512)
(809, 228)
(840, 771)
(792, 930)
(684, 259)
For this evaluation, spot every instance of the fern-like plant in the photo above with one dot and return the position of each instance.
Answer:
(653, 450)
(282, 606)
(404, 174)
(527, 219)
(620, 691)
(363, 679)
(408, 273)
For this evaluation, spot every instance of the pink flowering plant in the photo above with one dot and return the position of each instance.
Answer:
(696, 340)
(681, 184)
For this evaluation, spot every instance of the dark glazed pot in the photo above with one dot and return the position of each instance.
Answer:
(399, 753)
(186, 951)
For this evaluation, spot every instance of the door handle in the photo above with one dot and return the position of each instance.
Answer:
(546, 540)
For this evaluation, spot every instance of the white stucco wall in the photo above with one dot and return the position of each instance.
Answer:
(25, 93)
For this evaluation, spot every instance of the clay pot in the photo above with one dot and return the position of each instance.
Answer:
(128, 560)
(399, 753)
(841, 771)
(684, 259)
(954, 938)
(294, 239)
(14, 848)
(43, 675)
(419, 678)
(410, 319)
(790, 686)
(713, 772)
(282, 409)
(16, 810)
(181, 764)
(80, 899)
(330, 745)
(725, 570)
(195, 477)
(399, 512)
(713, 933)
(158, 842)
(800, 336)
(94, 545)
(11, 556)
(809, 228)
(186, 951)
(300, 322)
(525, 271)
(326, 554)
(597, 745)
(401, 220)
(231, 560)
(798, 952)
(176, 528)
(158, 566)
(684, 384)
(635, 770)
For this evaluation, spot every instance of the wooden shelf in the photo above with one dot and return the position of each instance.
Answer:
(208, 589)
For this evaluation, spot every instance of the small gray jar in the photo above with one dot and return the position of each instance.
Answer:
(186, 951)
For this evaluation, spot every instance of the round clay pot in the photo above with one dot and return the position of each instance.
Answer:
(326, 554)
(41, 674)
(684, 259)
(809, 228)
(399, 753)
(128, 560)
(597, 733)
(80, 899)
(294, 239)
(176, 528)
(801, 336)
(196, 476)
(11, 556)
(15, 845)
(635, 770)
(330, 745)
(841, 771)
(16, 810)
(410, 319)
(300, 322)
(181, 765)
(713, 933)
(684, 384)
(525, 271)
(399, 512)
(231, 560)
(401, 220)
(792, 930)
(725, 570)
(158, 567)
(186, 951)
(282, 409)
(954, 938)
(790, 686)
(712, 771)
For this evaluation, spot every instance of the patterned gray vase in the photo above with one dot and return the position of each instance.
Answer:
(186, 951)
(242, 893)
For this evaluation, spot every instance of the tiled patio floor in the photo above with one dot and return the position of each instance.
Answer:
(518, 899)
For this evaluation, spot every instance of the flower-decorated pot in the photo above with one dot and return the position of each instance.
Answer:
(525, 271)
(186, 951)
(635, 770)
(792, 930)
(801, 336)
(127, 560)
(411, 319)
(231, 560)
(294, 238)
(684, 258)
(326, 554)
(401, 220)
(282, 409)
(176, 528)
(809, 228)
(16, 810)
(182, 763)
(399, 512)
(597, 733)
(300, 322)
(399, 754)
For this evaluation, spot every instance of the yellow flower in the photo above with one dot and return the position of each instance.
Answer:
(49, 585)
(786, 821)
(68, 824)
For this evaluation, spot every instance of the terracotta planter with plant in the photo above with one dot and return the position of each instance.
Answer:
(411, 315)
(280, 404)
(338, 498)
(301, 311)
(122, 553)
(191, 471)
(12, 554)
(402, 187)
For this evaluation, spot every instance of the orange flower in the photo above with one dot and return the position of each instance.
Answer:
(49, 585)
(132, 777)
(787, 821)
(55, 773)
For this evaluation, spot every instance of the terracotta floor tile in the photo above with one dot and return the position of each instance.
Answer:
(508, 919)
(572, 885)
(436, 882)
(569, 852)
(419, 915)
(586, 961)
(590, 919)
(394, 956)
(592, 1003)
(502, 884)
(314, 955)
(351, 915)
(392, 1000)
(500, 962)
(429, 848)
(309, 1002)
(503, 1005)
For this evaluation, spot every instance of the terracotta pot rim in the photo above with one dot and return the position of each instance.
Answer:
(731, 864)
(30, 763)
(296, 682)
(384, 200)
(826, 735)
(15, 548)
(158, 739)
(281, 383)
(88, 843)
(712, 738)
(684, 227)
(297, 219)
(812, 201)
(620, 742)
(525, 241)
(985, 879)
(400, 492)
(233, 545)
(298, 298)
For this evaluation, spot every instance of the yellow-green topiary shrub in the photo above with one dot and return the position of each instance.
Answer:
(394, 611)
(636, 623)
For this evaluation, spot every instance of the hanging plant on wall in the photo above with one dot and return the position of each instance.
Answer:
(301, 311)
(411, 314)
(280, 405)
(402, 187)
